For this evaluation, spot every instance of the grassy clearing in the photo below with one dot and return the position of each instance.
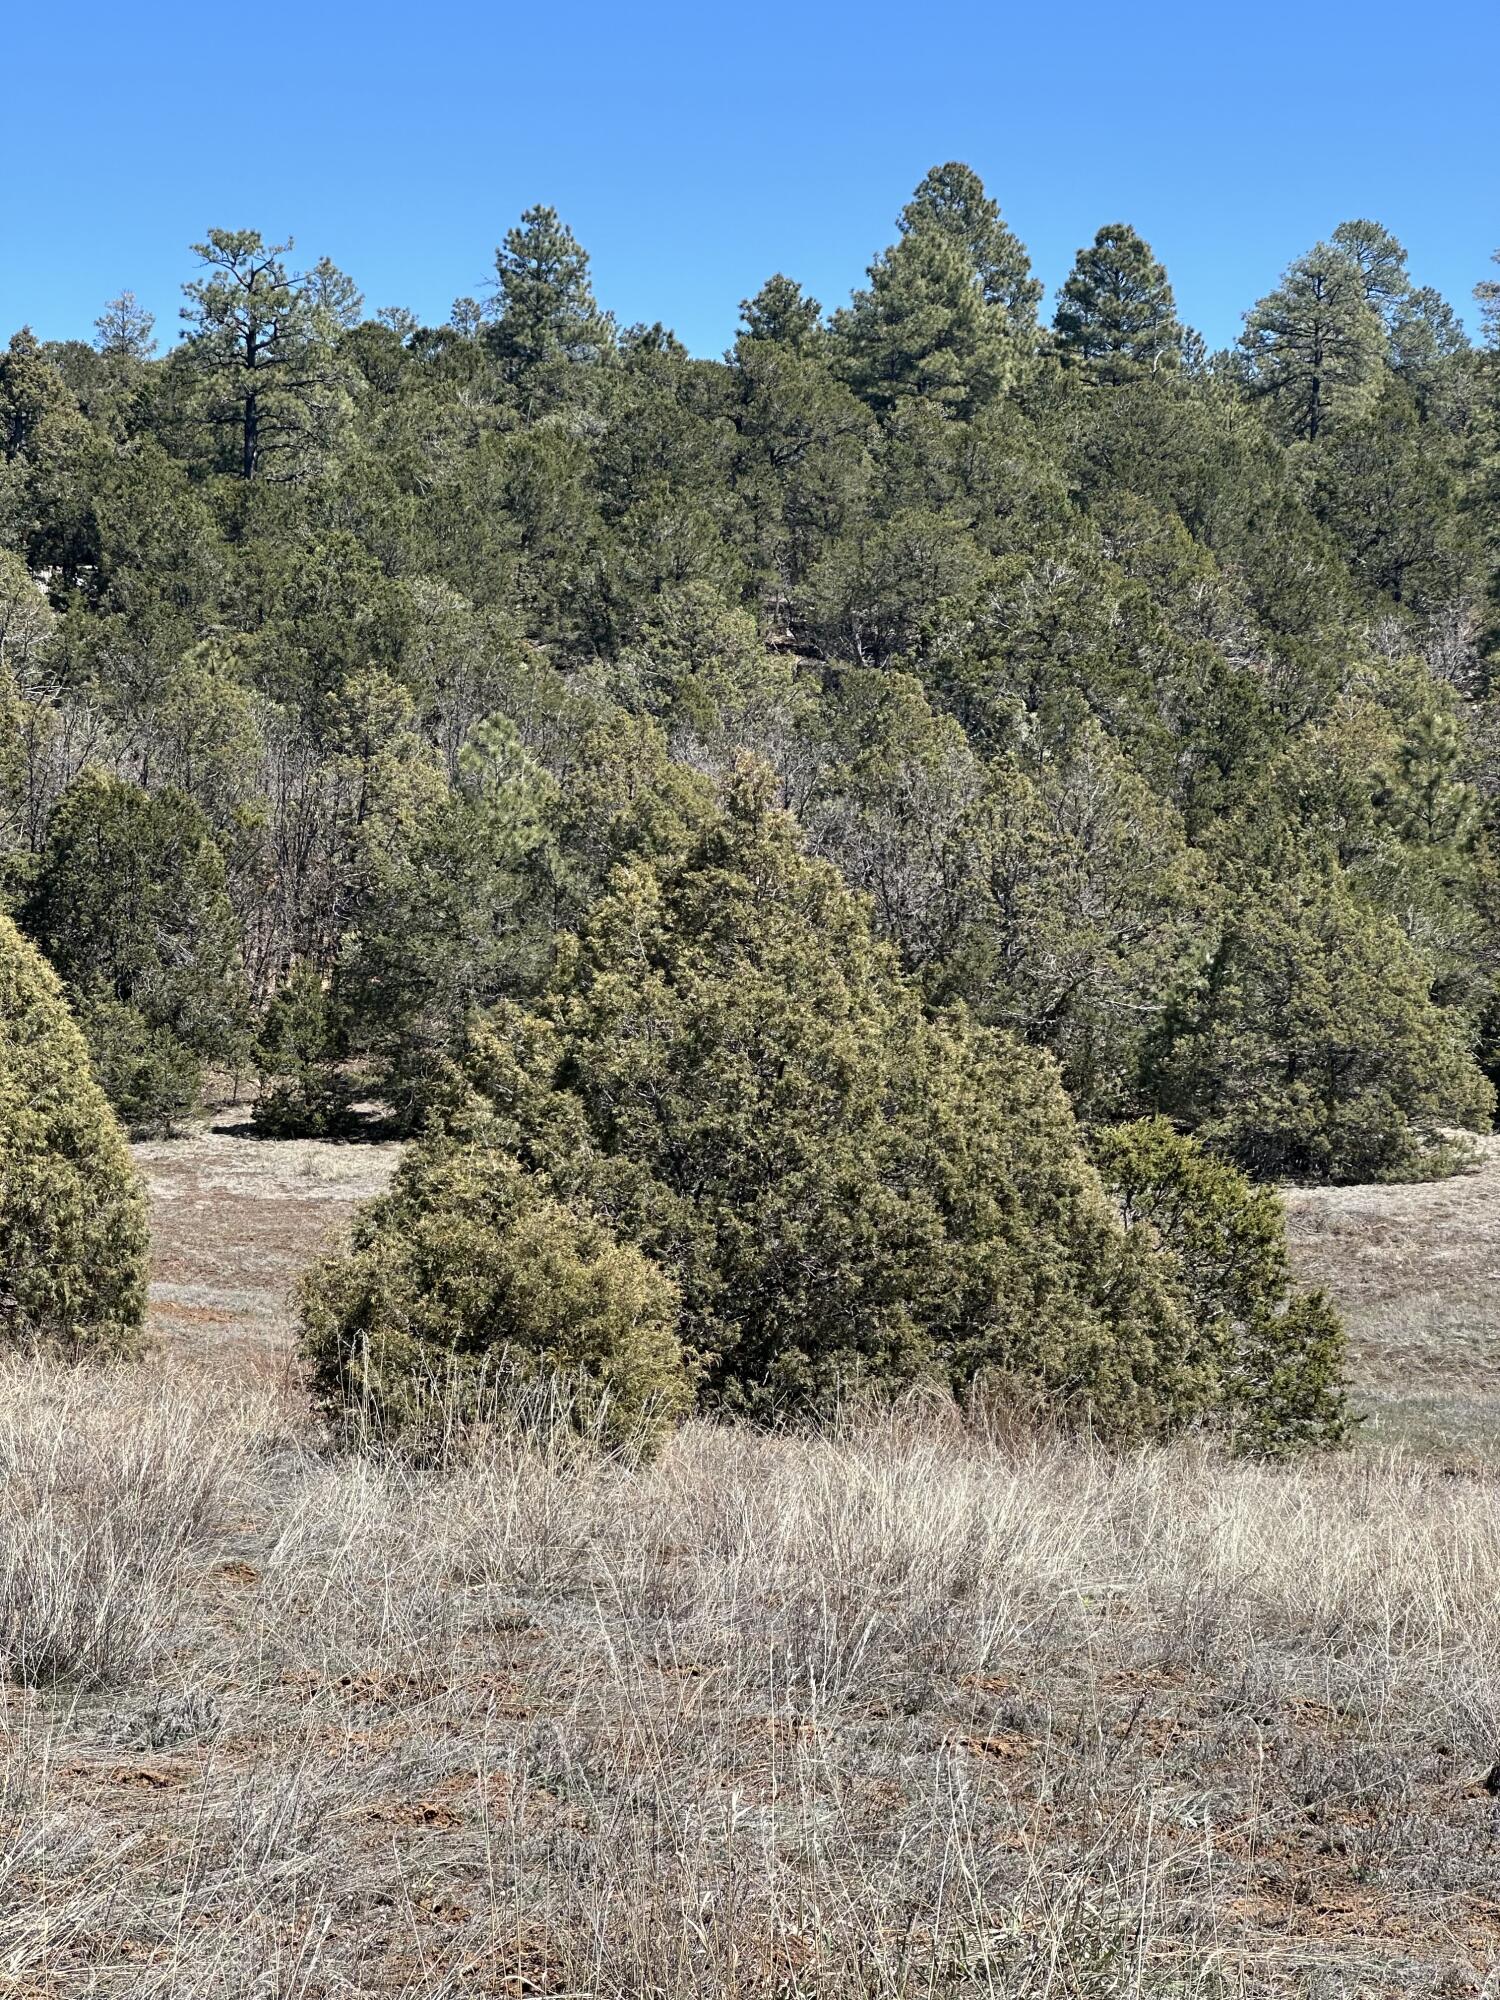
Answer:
(898, 1711)
(1416, 1271)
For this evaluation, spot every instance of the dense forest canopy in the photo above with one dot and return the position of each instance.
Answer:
(364, 683)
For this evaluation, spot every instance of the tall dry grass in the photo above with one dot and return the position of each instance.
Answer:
(898, 1710)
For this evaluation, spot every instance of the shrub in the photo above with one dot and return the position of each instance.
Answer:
(152, 1079)
(129, 904)
(72, 1221)
(304, 1091)
(844, 1189)
(1315, 1049)
(1277, 1352)
(470, 1271)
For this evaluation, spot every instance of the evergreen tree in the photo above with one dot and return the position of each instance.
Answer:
(1315, 1049)
(259, 342)
(950, 312)
(1381, 263)
(472, 1277)
(953, 198)
(1116, 311)
(72, 1218)
(130, 906)
(730, 1069)
(544, 317)
(305, 1091)
(1278, 1351)
(1487, 293)
(125, 330)
(36, 410)
(782, 312)
(1315, 346)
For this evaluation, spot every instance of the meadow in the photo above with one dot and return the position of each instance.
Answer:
(907, 1707)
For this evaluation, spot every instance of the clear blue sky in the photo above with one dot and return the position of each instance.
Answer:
(695, 149)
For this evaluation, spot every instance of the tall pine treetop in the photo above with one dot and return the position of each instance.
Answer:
(1116, 310)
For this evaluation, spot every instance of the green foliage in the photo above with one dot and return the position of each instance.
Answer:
(304, 1089)
(1314, 346)
(259, 351)
(1314, 1048)
(545, 316)
(471, 1274)
(454, 915)
(950, 312)
(1277, 1352)
(72, 1220)
(153, 1080)
(782, 312)
(1087, 912)
(1147, 697)
(129, 903)
(1116, 313)
(845, 1189)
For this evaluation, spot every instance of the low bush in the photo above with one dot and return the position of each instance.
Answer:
(72, 1219)
(469, 1274)
(1276, 1351)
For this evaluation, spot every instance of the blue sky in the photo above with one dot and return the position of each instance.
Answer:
(695, 149)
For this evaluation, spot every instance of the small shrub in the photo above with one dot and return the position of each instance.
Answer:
(1277, 1353)
(470, 1272)
(72, 1220)
(151, 1078)
(304, 1090)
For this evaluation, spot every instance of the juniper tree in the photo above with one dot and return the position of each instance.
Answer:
(130, 905)
(72, 1217)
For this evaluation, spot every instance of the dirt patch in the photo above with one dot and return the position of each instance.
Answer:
(235, 1220)
(1416, 1273)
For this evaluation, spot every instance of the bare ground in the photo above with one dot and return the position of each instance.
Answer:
(1416, 1271)
(234, 1221)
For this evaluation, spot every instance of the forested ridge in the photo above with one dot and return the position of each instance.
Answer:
(700, 786)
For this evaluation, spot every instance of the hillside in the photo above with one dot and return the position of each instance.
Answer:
(1416, 1271)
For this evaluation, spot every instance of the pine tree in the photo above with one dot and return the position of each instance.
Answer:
(950, 312)
(545, 318)
(260, 342)
(952, 198)
(1487, 293)
(1116, 312)
(782, 312)
(1315, 346)
(125, 330)
(1381, 263)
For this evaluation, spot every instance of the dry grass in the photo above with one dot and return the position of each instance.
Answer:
(903, 1711)
(234, 1219)
(1416, 1271)
(897, 1712)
